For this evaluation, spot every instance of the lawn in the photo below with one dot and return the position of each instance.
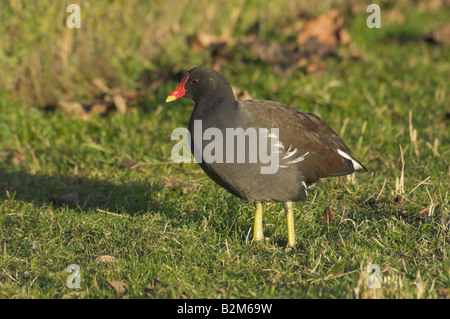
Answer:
(138, 225)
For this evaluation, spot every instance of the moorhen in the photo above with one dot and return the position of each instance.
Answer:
(304, 147)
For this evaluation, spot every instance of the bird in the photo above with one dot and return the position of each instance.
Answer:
(304, 147)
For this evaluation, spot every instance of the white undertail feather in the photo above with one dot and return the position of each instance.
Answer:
(306, 188)
(356, 165)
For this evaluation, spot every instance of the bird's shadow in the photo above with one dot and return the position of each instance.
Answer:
(92, 194)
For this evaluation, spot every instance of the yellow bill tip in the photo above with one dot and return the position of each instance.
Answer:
(170, 98)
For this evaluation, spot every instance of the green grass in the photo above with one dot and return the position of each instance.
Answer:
(175, 234)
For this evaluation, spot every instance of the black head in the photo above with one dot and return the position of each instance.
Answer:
(203, 85)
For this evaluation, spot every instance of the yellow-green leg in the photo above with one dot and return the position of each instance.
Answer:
(258, 227)
(288, 207)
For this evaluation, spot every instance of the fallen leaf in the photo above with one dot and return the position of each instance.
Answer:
(423, 213)
(344, 37)
(327, 28)
(328, 216)
(120, 103)
(101, 85)
(73, 108)
(99, 108)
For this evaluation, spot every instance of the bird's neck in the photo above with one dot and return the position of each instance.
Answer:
(219, 102)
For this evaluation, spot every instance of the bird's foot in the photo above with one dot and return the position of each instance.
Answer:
(290, 248)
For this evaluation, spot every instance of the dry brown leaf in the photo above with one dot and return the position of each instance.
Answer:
(73, 108)
(111, 99)
(98, 108)
(71, 199)
(423, 213)
(344, 37)
(118, 285)
(327, 29)
(120, 103)
(129, 94)
(101, 85)
(328, 216)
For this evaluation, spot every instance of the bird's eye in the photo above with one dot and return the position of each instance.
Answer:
(195, 81)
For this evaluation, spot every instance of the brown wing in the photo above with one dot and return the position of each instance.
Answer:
(305, 132)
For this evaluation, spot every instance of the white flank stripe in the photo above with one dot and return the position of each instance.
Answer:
(299, 159)
(278, 144)
(306, 188)
(289, 154)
